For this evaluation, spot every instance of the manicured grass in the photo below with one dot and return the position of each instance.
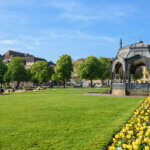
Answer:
(62, 119)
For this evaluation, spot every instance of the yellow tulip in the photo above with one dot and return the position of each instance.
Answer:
(135, 147)
(112, 148)
(114, 140)
(119, 142)
(129, 147)
(124, 145)
(116, 136)
(146, 147)
(130, 132)
(122, 135)
(128, 136)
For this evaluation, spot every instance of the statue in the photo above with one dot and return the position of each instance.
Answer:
(120, 43)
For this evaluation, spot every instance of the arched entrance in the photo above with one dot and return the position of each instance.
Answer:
(135, 85)
(118, 72)
(118, 77)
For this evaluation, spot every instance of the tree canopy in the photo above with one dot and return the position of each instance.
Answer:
(63, 68)
(138, 73)
(105, 68)
(89, 69)
(41, 72)
(76, 65)
(16, 71)
(3, 69)
(28, 75)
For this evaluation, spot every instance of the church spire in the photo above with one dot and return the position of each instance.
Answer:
(120, 43)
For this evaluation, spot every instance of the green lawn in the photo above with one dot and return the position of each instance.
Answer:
(62, 119)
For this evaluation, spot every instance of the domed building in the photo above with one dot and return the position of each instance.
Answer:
(124, 67)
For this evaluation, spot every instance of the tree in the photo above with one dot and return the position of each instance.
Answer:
(105, 68)
(63, 68)
(89, 69)
(138, 73)
(41, 72)
(16, 71)
(28, 75)
(75, 74)
(3, 69)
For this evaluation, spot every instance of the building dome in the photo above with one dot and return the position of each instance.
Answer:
(139, 48)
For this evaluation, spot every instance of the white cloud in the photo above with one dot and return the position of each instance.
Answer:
(9, 42)
(28, 42)
(78, 35)
(77, 10)
(36, 41)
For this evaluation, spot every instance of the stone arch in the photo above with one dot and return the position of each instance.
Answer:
(135, 65)
(137, 61)
(118, 61)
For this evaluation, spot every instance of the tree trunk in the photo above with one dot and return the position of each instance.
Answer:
(1, 85)
(64, 84)
(81, 84)
(91, 84)
(18, 82)
(102, 82)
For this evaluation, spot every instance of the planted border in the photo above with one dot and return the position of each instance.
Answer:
(135, 135)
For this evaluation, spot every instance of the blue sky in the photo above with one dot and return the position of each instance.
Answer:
(50, 28)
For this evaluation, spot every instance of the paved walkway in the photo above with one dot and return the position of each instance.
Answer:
(100, 94)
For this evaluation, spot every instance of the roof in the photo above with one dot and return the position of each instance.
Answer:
(77, 62)
(39, 59)
(29, 58)
(140, 44)
(139, 48)
(50, 63)
(9, 54)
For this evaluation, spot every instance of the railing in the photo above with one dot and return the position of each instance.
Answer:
(121, 86)
(131, 86)
(138, 86)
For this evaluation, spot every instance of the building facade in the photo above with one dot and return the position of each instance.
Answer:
(29, 59)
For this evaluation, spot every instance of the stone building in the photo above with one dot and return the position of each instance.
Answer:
(29, 59)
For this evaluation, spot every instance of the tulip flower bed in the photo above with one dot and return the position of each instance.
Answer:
(135, 135)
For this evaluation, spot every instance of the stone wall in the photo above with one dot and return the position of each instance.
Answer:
(139, 93)
(118, 92)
